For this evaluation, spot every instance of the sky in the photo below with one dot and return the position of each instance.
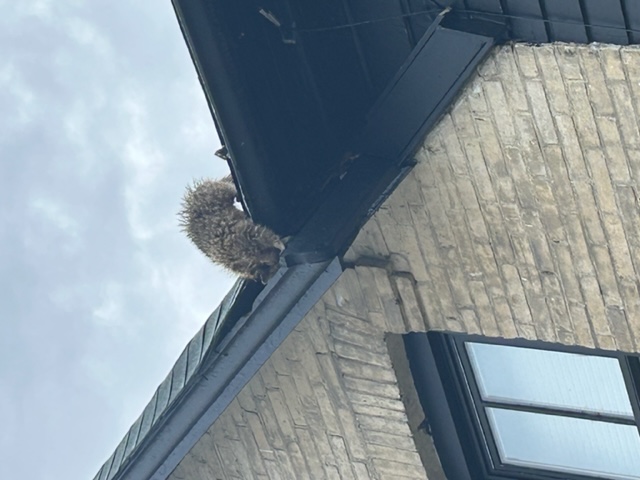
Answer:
(103, 124)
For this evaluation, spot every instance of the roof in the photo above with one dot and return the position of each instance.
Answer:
(320, 121)
(290, 84)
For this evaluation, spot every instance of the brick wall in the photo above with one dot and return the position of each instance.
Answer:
(520, 219)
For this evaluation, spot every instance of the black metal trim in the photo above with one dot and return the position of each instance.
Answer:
(440, 408)
(252, 340)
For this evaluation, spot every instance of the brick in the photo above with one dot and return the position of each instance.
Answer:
(606, 342)
(500, 241)
(517, 298)
(254, 458)
(498, 102)
(579, 251)
(443, 292)
(369, 243)
(477, 103)
(453, 152)
(273, 471)
(376, 401)
(348, 294)
(568, 61)
(618, 247)
(630, 61)
(470, 321)
(439, 225)
(257, 429)
(633, 156)
(571, 148)
(581, 326)
(310, 454)
(612, 142)
(404, 442)
(553, 83)
(342, 459)
(530, 144)
(479, 173)
(589, 213)
(286, 467)
(404, 242)
(366, 371)
(630, 214)
(547, 192)
(332, 472)
(381, 424)
(375, 411)
(628, 120)
(526, 61)
(510, 78)
(395, 454)
(367, 280)
(522, 182)
(504, 317)
(292, 401)
(230, 464)
(361, 334)
(414, 320)
(556, 304)
(361, 354)
(269, 421)
(412, 192)
(582, 115)
(380, 389)
(484, 310)
(541, 113)
(429, 298)
(330, 420)
(429, 248)
(445, 185)
(361, 471)
(458, 283)
(606, 276)
(560, 187)
(620, 328)
(355, 446)
(629, 289)
(598, 92)
(611, 62)
(526, 331)
(595, 306)
(391, 309)
(392, 470)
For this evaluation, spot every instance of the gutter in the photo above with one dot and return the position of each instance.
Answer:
(279, 309)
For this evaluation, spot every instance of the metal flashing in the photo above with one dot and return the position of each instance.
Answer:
(227, 368)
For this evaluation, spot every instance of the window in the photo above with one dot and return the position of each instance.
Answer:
(528, 410)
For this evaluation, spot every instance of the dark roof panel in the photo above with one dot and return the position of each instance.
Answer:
(606, 21)
(566, 23)
(527, 20)
(539, 21)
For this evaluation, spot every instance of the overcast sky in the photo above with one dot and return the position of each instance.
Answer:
(103, 123)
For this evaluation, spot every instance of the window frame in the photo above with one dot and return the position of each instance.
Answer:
(453, 407)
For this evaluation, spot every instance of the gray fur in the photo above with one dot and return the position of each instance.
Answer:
(227, 235)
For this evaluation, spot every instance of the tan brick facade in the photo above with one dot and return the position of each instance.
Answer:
(521, 219)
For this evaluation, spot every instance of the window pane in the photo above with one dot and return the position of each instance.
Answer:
(527, 376)
(566, 444)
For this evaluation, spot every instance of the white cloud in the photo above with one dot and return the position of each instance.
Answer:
(53, 215)
(143, 164)
(86, 34)
(13, 86)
